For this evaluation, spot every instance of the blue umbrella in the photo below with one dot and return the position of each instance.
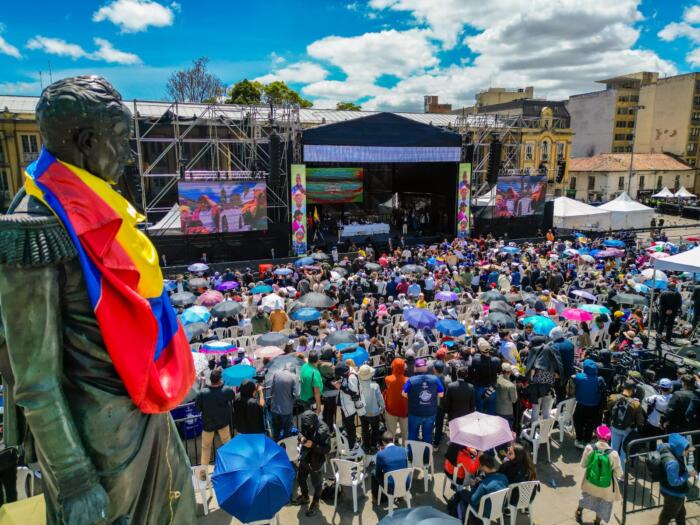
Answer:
(614, 243)
(198, 267)
(541, 325)
(170, 285)
(304, 261)
(195, 314)
(420, 318)
(306, 314)
(261, 288)
(283, 271)
(659, 285)
(510, 249)
(353, 351)
(450, 327)
(431, 261)
(253, 477)
(234, 375)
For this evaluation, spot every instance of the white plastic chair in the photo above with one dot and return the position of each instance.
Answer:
(290, 446)
(527, 490)
(538, 434)
(455, 477)
(416, 452)
(24, 473)
(348, 474)
(497, 500)
(343, 450)
(201, 486)
(402, 487)
(564, 416)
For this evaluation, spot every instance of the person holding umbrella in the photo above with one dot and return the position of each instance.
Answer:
(214, 402)
(543, 370)
(315, 441)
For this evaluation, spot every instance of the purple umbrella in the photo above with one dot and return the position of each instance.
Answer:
(447, 296)
(227, 286)
(585, 295)
(420, 318)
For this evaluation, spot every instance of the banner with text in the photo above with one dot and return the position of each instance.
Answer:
(463, 199)
(299, 209)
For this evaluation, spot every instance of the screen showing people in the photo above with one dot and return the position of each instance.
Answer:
(334, 185)
(299, 209)
(218, 207)
(520, 196)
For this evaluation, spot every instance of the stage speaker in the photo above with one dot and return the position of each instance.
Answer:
(548, 218)
(494, 161)
(468, 148)
(561, 170)
(275, 151)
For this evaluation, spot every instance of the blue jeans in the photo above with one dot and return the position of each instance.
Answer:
(485, 406)
(415, 423)
(618, 438)
(281, 426)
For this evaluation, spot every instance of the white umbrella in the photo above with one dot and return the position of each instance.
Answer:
(201, 362)
(587, 258)
(648, 275)
(480, 431)
(272, 300)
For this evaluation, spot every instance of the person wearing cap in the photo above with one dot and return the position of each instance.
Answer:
(410, 357)
(483, 373)
(278, 318)
(374, 408)
(596, 498)
(590, 391)
(670, 303)
(656, 406)
(625, 414)
(241, 358)
(506, 393)
(260, 322)
(350, 400)
(676, 479)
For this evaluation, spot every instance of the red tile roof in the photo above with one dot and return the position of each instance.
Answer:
(621, 162)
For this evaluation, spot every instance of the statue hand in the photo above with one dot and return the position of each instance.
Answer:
(88, 508)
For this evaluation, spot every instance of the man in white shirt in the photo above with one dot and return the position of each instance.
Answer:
(656, 408)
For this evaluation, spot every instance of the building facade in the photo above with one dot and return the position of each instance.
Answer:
(603, 177)
(431, 104)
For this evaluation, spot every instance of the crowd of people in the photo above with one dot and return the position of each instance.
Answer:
(431, 334)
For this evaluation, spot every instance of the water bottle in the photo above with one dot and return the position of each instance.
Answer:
(553, 483)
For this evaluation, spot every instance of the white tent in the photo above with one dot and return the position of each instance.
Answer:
(682, 262)
(665, 193)
(171, 221)
(575, 215)
(684, 194)
(628, 213)
(487, 199)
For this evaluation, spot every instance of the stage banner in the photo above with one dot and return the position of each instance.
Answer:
(299, 209)
(463, 199)
(520, 196)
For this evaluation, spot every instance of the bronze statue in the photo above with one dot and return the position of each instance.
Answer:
(103, 460)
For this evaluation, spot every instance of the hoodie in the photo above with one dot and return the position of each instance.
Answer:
(372, 396)
(675, 482)
(396, 404)
(589, 387)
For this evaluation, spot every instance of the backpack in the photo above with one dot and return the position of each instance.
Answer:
(599, 468)
(621, 415)
(656, 464)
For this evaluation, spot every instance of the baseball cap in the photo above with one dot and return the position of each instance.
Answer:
(665, 383)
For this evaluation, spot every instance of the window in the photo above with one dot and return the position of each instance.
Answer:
(545, 150)
(691, 162)
(630, 124)
(630, 136)
(621, 183)
(695, 115)
(620, 136)
(659, 182)
(634, 98)
(696, 101)
(692, 147)
(4, 191)
(620, 124)
(561, 148)
(572, 183)
(528, 151)
(694, 133)
(641, 182)
(591, 183)
(29, 144)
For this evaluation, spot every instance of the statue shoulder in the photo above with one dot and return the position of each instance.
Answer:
(31, 236)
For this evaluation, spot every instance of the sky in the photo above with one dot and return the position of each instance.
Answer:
(384, 54)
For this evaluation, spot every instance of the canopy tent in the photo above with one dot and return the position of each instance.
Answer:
(665, 193)
(682, 262)
(171, 221)
(628, 213)
(487, 199)
(575, 215)
(684, 194)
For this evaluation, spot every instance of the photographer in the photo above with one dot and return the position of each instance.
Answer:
(315, 441)
(248, 409)
(483, 374)
(351, 402)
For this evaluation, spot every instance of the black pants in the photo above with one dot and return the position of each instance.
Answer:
(330, 407)
(350, 430)
(586, 419)
(666, 323)
(316, 477)
(674, 508)
(8, 475)
(370, 431)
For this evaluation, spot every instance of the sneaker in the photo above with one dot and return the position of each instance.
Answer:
(301, 500)
(313, 509)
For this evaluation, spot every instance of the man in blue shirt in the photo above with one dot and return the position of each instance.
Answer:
(423, 392)
(389, 458)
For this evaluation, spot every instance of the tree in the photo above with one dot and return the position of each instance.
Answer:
(348, 106)
(277, 93)
(245, 92)
(195, 84)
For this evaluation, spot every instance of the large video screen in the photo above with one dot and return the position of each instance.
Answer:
(520, 196)
(225, 206)
(334, 185)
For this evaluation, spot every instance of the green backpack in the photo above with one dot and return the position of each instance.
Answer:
(599, 469)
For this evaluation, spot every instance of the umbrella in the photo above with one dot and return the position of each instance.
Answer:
(197, 283)
(195, 314)
(419, 516)
(268, 351)
(513, 298)
(355, 352)
(317, 300)
(510, 249)
(227, 309)
(182, 299)
(170, 286)
(576, 314)
(448, 297)
(480, 431)
(659, 285)
(659, 255)
(197, 267)
(304, 261)
(530, 299)
(650, 273)
(261, 288)
(492, 295)
(412, 268)
(253, 477)
(194, 330)
(501, 320)
(595, 309)
(584, 295)
(614, 243)
(610, 252)
(210, 298)
(571, 251)
(587, 258)
(341, 337)
(500, 306)
(273, 339)
(235, 375)
(540, 324)
(641, 288)
(201, 363)
(217, 347)
(319, 256)
(306, 315)
(450, 327)
(629, 298)
(273, 301)
(340, 271)
(283, 271)
(420, 318)
(227, 286)
(373, 267)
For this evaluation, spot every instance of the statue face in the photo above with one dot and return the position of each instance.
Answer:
(106, 151)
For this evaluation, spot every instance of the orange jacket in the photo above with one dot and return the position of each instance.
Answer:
(395, 403)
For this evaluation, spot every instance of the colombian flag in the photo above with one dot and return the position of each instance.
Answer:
(146, 342)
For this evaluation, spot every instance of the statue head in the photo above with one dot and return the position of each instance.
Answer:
(83, 122)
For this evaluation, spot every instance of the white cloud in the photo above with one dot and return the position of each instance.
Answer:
(693, 58)
(299, 72)
(8, 49)
(676, 30)
(105, 50)
(20, 88)
(691, 14)
(133, 16)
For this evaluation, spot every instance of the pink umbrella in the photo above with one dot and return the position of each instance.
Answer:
(611, 252)
(210, 298)
(480, 431)
(383, 261)
(574, 314)
(659, 255)
(268, 351)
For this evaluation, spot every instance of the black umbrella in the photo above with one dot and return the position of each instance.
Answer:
(194, 330)
(182, 299)
(277, 339)
(341, 336)
(501, 320)
(412, 268)
(491, 296)
(629, 298)
(500, 306)
(197, 283)
(317, 300)
(340, 271)
(530, 300)
(227, 309)
(373, 267)
(320, 256)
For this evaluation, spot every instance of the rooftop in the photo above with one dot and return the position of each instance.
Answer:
(607, 162)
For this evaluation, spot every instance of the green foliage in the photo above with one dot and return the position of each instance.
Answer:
(348, 106)
(245, 92)
(278, 93)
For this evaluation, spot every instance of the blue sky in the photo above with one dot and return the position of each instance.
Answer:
(384, 54)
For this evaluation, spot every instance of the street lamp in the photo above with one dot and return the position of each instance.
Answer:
(634, 135)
